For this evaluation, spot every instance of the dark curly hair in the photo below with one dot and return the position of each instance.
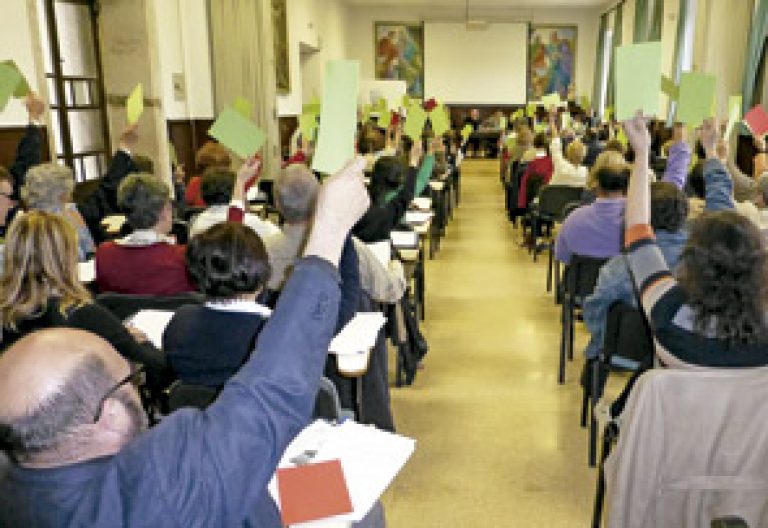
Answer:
(669, 207)
(228, 260)
(724, 272)
(217, 186)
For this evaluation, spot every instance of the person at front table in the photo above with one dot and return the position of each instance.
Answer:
(82, 451)
(148, 261)
(474, 120)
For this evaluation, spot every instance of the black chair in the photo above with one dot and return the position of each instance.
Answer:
(124, 306)
(627, 345)
(729, 522)
(516, 172)
(550, 209)
(579, 280)
(553, 266)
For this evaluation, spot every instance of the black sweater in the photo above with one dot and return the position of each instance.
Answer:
(377, 223)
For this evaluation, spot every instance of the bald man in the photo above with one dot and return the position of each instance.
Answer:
(73, 424)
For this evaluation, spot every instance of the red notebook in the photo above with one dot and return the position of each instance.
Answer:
(312, 492)
(757, 121)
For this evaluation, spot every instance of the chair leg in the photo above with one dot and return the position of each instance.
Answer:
(563, 341)
(549, 270)
(571, 331)
(586, 395)
(596, 390)
(597, 513)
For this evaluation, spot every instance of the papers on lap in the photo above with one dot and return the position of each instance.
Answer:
(359, 334)
(417, 217)
(423, 203)
(370, 461)
(152, 323)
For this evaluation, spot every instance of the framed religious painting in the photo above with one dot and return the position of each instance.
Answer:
(551, 60)
(399, 54)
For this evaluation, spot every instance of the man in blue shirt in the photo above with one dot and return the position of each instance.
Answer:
(73, 423)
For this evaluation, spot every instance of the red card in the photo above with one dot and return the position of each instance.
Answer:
(757, 121)
(430, 105)
(312, 492)
(395, 118)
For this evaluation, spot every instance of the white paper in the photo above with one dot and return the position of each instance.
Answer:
(382, 250)
(359, 334)
(370, 460)
(152, 323)
(87, 271)
(113, 223)
(254, 194)
(417, 217)
(423, 203)
(404, 239)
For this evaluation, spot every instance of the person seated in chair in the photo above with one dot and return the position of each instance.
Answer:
(207, 344)
(595, 230)
(40, 288)
(83, 455)
(217, 188)
(146, 262)
(541, 166)
(568, 169)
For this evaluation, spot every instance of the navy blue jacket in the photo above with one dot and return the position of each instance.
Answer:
(201, 468)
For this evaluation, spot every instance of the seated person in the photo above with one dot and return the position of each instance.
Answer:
(390, 196)
(210, 156)
(295, 196)
(669, 211)
(568, 170)
(541, 166)
(40, 288)
(146, 262)
(48, 187)
(81, 421)
(8, 206)
(595, 230)
(594, 147)
(217, 188)
(207, 344)
(678, 158)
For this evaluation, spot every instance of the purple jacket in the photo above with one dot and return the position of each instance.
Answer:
(593, 230)
(677, 164)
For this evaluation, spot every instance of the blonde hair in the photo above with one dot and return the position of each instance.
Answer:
(608, 159)
(575, 152)
(40, 261)
(47, 186)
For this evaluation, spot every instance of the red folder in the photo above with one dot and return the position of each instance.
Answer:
(312, 492)
(757, 121)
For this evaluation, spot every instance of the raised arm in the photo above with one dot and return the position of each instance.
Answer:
(425, 170)
(238, 206)
(29, 151)
(718, 186)
(230, 450)
(679, 158)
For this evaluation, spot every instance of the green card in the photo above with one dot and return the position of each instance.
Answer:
(697, 91)
(172, 154)
(734, 114)
(243, 107)
(567, 121)
(134, 105)
(608, 113)
(237, 133)
(467, 131)
(10, 78)
(510, 143)
(540, 128)
(385, 119)
(406, 101)
(22, 89)
(621, 136)
(414, 122)
(307, 126)
(312, 107)
(584, 102)
(441, 122)
(531, 110)
(638, 74)
(669, 87)
(366, 113)
(503, 122)
(338, 116)
(551, 100)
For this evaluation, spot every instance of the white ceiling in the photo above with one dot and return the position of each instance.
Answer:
(481, 4)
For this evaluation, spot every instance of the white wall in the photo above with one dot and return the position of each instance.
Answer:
(183, 46)
(18, 40)
(361, 22)
(316, 34)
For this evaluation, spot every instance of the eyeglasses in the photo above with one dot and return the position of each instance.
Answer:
(7, 195)
(134, 377)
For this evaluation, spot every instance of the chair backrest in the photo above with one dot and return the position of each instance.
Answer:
(532, 185)
(327, 403)
(123, 306)
(554, 198)
(188, 395)
(692, 447)
(84, 189)
(627, 334)
(581, 274)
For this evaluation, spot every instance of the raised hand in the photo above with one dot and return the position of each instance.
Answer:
(636, 130)
(129, 138)
(249, 169)
(35, 106)
(415, 155)
(709, 136)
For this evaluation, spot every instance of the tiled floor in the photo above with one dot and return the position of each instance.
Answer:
(498, 440)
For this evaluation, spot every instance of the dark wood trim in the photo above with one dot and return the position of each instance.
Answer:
(9, 141)
(187, 136)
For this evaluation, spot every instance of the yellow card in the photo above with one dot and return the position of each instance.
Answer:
(134, 105)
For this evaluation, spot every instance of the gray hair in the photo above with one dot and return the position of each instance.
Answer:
(295, 193)
(142, 198)
(51, 424)
(47, 186)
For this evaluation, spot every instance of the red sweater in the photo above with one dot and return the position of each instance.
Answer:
(157, 269)
(541, 166)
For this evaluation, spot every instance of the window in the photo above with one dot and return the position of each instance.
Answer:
(73, 70)
(606, 68)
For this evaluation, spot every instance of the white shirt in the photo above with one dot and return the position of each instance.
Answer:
(566, 173)
(217, 214)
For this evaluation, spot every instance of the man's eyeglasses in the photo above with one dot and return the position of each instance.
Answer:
(7, 195)
(134, 377)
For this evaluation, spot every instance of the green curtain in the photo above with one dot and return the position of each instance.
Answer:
(654, 31)
(597, 88)
(618, 20)
(641, 21)
(755, 46)
(677, 61)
